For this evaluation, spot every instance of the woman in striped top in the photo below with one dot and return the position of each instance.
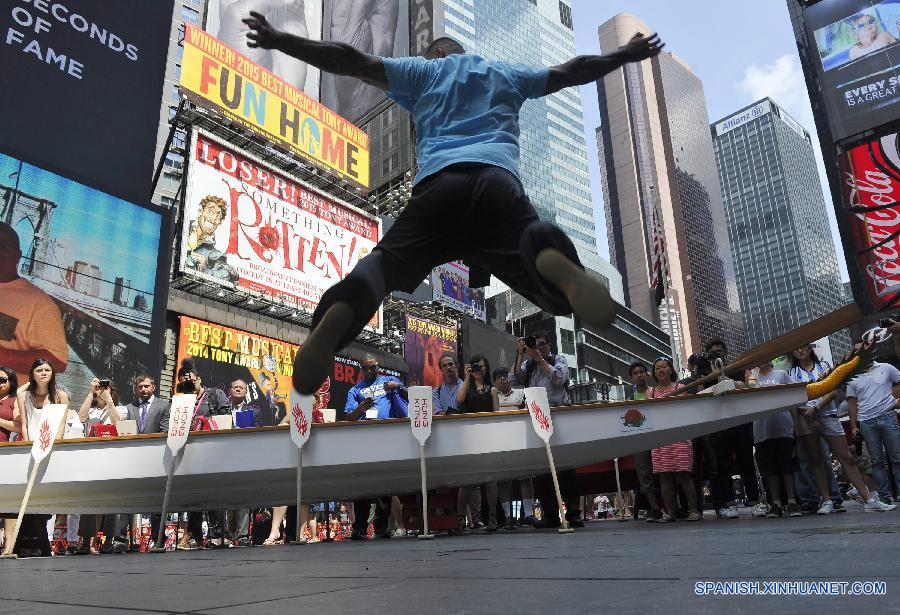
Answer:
(675, 462)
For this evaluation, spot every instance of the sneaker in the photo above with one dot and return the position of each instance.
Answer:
(809, 508)
(839, 507)
(727, 512)
(853, 494)
(510, 525)
(491, 525)
(694, 516)
(666, 518)
(358, 536)
(399, 532)
(826, 508)
(876, 505)
(759, 510)
(478, 527)
(775, 511)
(887, 501)
(793, 510)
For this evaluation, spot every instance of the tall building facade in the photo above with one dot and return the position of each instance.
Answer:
(784, 258)
(553, 166)
(656, 155)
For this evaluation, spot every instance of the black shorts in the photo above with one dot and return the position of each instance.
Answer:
(480, 214)
(775, 457)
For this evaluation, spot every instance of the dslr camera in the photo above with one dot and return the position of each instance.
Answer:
(187, 387)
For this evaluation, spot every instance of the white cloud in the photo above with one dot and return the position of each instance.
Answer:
(783, 82)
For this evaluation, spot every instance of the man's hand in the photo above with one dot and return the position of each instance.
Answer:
(390, 385)
(535, 354)
(261, 33)
(468, 371)
(640, 47)
(854, 431)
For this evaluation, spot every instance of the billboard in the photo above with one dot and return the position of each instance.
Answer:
(248, 226)
(424, 344)
(451, 287)
(82, 85)
(223, 355)
(378, 27)
(223, 21)
(870, 182)
(496, 344)
(858, 64)
(216, 76)
(88, 292)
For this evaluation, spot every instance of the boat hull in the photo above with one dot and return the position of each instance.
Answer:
(257, 467)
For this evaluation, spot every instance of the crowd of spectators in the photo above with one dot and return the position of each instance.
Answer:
(789, 463)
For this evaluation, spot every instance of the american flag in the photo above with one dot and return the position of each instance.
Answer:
(658, 260)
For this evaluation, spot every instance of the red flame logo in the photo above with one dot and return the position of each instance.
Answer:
(542, 419)
(299, 419)
(45, 439)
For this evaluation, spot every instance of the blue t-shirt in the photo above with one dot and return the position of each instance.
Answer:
(466, 108)
(376, 391)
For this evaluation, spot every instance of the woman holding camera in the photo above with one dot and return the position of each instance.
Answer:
(101, 407)
(476, 394)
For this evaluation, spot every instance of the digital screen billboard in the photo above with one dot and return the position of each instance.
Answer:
(223, 21)
(378, 27)
(251, 227)
(82, 83)
(223, 355)
(424, 344)
(88, 289)
(857, 63)
(451, 287)
(219, 77)
(870, 182)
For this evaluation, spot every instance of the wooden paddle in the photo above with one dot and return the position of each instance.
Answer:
(808, 333)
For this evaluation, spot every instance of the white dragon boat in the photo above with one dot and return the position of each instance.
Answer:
(253, 467)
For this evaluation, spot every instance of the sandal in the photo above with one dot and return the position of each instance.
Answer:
(270, 541)
(666, 518)
(694, 516)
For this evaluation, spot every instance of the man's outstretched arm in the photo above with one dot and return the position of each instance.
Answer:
(586, 69)
(329, 56)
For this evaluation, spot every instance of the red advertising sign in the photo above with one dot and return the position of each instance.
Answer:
(248, 226)
(870, 177)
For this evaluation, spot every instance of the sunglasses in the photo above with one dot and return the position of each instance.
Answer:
(370, 368)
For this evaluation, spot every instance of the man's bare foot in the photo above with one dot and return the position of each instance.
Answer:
(588, 297)
(314, 360)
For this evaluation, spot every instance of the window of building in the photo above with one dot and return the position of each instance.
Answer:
(166, 201)
(179, 139)
(567, 341)
(565, 15)
(174, 161)
(175, 95)
(190, 15)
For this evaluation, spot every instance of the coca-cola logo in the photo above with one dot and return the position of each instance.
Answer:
(871, 186)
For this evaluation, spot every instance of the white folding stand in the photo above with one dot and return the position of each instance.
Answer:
(539, 409)
(181, 412)
(421, 409)
(301, 427)
(52, 420)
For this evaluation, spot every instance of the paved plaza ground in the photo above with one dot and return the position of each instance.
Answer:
(606, 567)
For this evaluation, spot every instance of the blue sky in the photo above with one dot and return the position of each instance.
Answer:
(92, 226)
(741, 52)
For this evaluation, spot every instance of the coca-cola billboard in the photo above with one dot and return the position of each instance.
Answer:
(247, 226)
(870, 181)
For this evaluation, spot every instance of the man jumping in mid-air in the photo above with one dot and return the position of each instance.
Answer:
(467, 202)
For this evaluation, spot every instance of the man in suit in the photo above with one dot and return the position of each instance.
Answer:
(152, 416)
(237, 522)
(149, 412)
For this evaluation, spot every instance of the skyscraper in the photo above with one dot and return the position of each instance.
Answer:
(553, 166)
(656, 155)
(784, 258)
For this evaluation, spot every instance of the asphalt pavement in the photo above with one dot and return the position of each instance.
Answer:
(605, 567)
